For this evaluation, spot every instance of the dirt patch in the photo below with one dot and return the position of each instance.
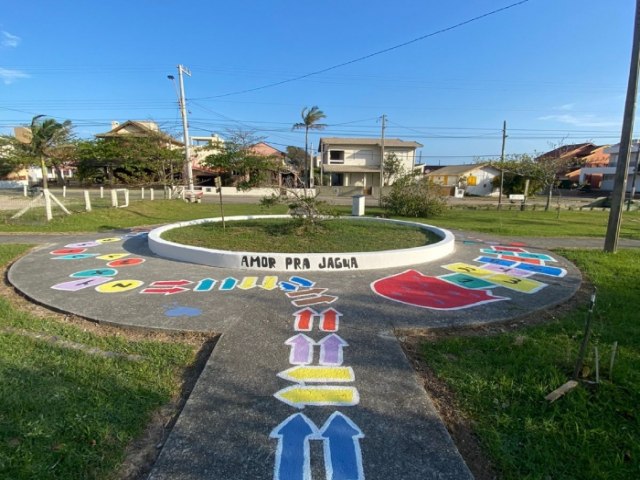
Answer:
(444, 399)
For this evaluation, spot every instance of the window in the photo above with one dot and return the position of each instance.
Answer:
(336, 156)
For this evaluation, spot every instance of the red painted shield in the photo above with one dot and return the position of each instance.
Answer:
(414, 288)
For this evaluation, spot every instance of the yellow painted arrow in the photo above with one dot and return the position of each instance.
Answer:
(312, 374)
(270, 282)
(326, 395)
(248, 283)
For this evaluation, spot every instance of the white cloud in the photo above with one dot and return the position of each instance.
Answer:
(566, 107)
(10, 40)
(581, 120)
(10, 76)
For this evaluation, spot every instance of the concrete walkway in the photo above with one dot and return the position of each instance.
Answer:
(308, 379)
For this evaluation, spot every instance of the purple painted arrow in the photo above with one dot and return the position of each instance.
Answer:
(331, 349)
(301, 349)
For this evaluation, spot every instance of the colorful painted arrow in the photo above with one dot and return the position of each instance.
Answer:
(301, 349)
(293, 453)
(269, 282)
(304, 320)
(299, 396)
(315, 374)
(330, 320)
(301, 281)
(170, 283)
(342, 455)
(205, 285)
(164, 290)
(331, 349)
(228, 283)
(314, 300)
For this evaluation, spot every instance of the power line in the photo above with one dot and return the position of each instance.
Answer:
(365, 57)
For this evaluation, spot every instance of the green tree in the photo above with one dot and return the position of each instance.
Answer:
(237, 157)
(310, 118)
(517, 169)
(392, 167)
(49, 145)
(296, 157)
(131, 160)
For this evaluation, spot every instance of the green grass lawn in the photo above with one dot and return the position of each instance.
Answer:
(281, 235)
(500, 383)
(136, 214)
(69, 414)
(529, 223)
(537, 223)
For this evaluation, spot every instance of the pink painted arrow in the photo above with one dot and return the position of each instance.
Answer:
(301, 349)
(330, 320)
(304, 320)
(164, 290)
(171, 283)
(331, 349)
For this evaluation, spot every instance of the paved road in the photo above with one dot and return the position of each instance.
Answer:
(308, 379)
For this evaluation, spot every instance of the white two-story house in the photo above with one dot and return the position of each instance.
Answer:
(356, 162)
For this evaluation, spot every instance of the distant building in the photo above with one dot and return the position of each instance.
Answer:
(140, 128)
(357, 161)
(609, 172)
(475, 179)
(577, 161)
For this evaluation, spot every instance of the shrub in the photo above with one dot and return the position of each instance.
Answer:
(411, 197)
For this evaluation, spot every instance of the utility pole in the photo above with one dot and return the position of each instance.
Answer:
(188, 173)
(632, 193)
(311, 179)
(384, 124)
(622, 168)
(504, 142)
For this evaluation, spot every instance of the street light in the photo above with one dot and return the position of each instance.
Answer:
(188, 173)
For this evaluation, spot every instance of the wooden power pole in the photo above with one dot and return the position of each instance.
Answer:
(504, 142)
(622, 168)
(384, 119)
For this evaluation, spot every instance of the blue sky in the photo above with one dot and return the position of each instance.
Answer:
(555, 70)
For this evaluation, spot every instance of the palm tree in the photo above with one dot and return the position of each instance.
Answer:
(46, 136)
(310, 118)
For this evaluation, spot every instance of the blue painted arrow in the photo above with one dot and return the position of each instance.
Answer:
(205, 285)
(228, 283)
(288, 287)
(293, 455)
(342, 456)
(303, 282)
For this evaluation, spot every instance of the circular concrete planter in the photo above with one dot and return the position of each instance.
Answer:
(301, 262)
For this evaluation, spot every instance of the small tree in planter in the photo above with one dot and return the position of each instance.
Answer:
(413, 197)
(307, 211)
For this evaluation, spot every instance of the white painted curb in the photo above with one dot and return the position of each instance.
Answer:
(301, 262)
